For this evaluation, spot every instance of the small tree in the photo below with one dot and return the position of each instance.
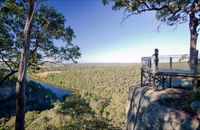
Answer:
(170, 12)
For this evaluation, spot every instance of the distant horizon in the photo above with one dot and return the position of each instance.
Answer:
(93, 63)
(108, 63)
(161, 57)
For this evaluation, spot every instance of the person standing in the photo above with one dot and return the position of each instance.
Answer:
(155, 60)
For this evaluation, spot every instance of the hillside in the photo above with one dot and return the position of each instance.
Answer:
(99, 96)
(99, 99)
(105, 88)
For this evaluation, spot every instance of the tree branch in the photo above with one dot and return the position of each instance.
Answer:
(2, 57)
(7, 76)
(28, 24)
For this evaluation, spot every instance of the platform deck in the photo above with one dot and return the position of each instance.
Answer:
(175, 73)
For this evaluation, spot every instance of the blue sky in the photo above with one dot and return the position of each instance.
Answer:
(103, 39)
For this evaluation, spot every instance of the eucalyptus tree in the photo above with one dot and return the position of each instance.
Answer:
(170, 12)
(27, 35)
(47, 26)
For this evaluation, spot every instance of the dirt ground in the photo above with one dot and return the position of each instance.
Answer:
(44, 74)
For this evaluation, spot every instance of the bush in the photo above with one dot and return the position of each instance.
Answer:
(194, 95)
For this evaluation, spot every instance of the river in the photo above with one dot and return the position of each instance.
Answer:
(55, 89)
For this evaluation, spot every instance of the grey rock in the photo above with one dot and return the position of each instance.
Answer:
(158, 110)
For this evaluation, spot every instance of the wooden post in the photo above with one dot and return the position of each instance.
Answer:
(170, 82)
(170, 62)
(170, 79)
(163, 83)
(154, 83)
(142, 73)
(150, 78)
(150, 64)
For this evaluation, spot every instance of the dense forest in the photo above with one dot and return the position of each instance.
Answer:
(99, 97)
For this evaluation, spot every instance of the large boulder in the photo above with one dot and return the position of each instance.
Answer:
(159, 110)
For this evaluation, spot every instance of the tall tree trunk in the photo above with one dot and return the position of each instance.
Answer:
(21, 82)
(193, 38)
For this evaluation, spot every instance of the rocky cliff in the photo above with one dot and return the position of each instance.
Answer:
(160, 110)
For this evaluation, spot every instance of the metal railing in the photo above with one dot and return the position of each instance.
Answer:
(175, 62)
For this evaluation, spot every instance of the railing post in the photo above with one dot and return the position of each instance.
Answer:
(154, 83)
(170, 82)
(142, 73)
(170, 62)
(150, 64)
(170, 79)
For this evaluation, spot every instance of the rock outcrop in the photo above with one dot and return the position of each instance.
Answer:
(159, 110)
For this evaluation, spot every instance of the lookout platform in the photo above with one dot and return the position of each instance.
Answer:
(169, 67)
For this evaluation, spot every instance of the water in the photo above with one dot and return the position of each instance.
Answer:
(59, 92)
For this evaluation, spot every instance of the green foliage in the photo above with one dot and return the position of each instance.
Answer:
(102, 104)
(1, 73)
(75, 106)
(38, 97)
(82, 115)
(73, 113)
(98, 100)
(104, 88)
(171, 12)
(2, 124)
(194, 95)
(47, 26)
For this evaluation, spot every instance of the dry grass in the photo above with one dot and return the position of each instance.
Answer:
(44, 74)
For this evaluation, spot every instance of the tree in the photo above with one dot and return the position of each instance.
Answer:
(47, 26)
(170, 12)
(23, 65)
(27, 35)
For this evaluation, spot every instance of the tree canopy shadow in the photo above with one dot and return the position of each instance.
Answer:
(82, 115)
